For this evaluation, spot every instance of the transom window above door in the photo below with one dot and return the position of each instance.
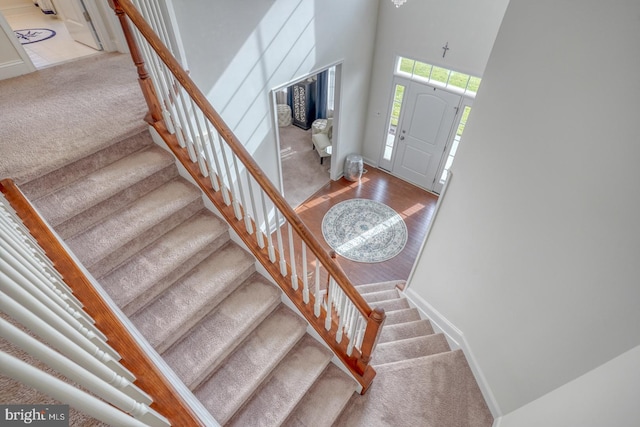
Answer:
(454, 81)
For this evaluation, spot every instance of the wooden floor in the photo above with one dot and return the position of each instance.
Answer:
(415, 205)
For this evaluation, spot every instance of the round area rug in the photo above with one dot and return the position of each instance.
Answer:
(364, 230)
(34, 35)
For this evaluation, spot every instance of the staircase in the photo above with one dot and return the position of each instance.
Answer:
(143, 232)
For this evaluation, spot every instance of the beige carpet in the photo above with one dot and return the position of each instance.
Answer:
(51, 117)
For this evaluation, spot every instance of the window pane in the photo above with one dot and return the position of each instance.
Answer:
(422, 70)
(398, 95)
(440, 74)
(474, 84)
(458, 79)
(406, 65)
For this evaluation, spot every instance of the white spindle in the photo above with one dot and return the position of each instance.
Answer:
(292, 255)
(242, 203)
(254, 209)
(330, 296)
(305, 276)
(77, 373)
(39, 311)
(46, 289)
(316, 294)
(267, 226)
(283, 262)
(110, 372)
(63, 392)
(208, 154)
(198, 141)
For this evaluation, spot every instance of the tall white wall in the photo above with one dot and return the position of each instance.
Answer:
(238, 51)
(418, 30)
(534, 254)
(588, 401)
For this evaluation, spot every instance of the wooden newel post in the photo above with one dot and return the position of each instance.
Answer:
(371, 334)
(146, 85)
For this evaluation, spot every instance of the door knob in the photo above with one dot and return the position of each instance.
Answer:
(401, 138)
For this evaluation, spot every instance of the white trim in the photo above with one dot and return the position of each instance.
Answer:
(456, 340)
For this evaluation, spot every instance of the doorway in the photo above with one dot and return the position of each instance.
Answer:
(303, 168)
(424, 125)
(71, 35)
(428, 111)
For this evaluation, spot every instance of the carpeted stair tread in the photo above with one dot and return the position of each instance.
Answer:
(125, 145)
(206, 346)
(243, 371)
(108, 243)
(405, 330)
(378, 287)
(84, 202)
(391, 304)
(185, 303)
(447, 395)
(149, 272)
(285, 387)
(373, 297)
(324, 402)
(400, 316)
(409, 348)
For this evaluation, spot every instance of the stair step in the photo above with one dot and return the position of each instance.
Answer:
(324, 402)
(409, 348)
(83, 203)
(64, 176)
(374, 297)
(405, 330)
(400, 316)
(286, 386)
(152, 270)
(108, 243)
(438, 390)
(377, 287)
(391, 304)
(206, 346)
(243, 371)
(185, 303)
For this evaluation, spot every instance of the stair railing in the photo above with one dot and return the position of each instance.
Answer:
(240, 190)
(73, 330)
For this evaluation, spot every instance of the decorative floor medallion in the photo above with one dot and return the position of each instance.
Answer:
(33, 35)
(364, 230)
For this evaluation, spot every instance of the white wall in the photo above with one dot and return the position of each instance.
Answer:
(534, 254)
(239, 51)
(418, 30)
(588, 401)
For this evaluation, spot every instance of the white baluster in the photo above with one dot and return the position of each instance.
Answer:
(292, 256)
(267, 225)
(63, 392)
(39, 316)
(305, 278)
(318, 297)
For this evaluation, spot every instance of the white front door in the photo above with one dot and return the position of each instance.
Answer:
(426, 122)
(78, 22)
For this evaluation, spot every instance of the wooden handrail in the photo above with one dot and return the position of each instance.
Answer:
(149, 377)
(238, 148)
(358, 358)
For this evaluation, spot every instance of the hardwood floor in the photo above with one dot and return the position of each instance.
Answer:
(415, 205)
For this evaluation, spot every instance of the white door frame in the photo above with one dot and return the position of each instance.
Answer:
(336, 117)
(20, 65)
(387, 165)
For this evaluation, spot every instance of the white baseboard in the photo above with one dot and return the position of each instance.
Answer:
(456, 340)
